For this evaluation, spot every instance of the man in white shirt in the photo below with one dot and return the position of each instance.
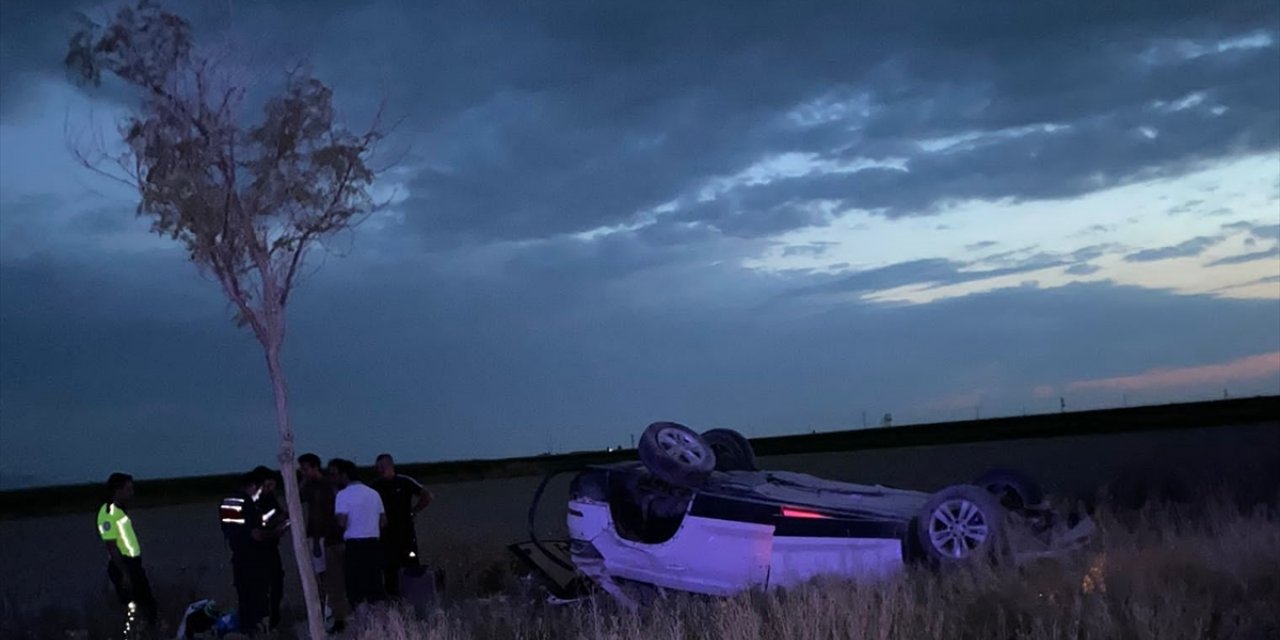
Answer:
(361, 516)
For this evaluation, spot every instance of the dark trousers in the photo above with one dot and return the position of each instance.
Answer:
(137, 592)
(399, 550)
(252, 592)
(363, 568)
(259, 580)
(275, 585)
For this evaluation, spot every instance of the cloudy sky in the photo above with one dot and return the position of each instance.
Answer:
(769, 216)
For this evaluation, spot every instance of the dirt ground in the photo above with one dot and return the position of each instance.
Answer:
(59, 558)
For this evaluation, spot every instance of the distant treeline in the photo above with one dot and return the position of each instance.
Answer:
(170, 491)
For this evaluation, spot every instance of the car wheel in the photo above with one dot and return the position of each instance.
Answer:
(733, 451)
(676, 454)
(1014, 490)
(961, 523)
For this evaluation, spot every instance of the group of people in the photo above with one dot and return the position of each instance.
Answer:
(360, 537)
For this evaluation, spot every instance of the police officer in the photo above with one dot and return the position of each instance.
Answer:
(274, 518)
(248, 535)
(124, 552)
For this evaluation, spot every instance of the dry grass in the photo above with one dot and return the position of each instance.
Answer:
(1208, 569)
(1163, 572)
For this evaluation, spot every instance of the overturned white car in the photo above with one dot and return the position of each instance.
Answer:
(697, 515)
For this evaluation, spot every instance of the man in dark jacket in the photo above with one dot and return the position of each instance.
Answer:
(274, 518)
(251, 538)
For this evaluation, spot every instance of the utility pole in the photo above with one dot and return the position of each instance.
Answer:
(864, 418)
(633, 441)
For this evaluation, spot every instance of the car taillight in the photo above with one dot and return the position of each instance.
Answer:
(792, 512)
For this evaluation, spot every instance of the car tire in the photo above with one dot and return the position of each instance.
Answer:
(1014, 490)
(960, 524)
(676, 454)
(733, 450)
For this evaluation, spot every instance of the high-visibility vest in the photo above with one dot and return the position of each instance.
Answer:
(114, 524)
(231, 511)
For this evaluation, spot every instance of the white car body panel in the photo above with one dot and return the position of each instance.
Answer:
(715, 557)
(797, 560)
(722, 557)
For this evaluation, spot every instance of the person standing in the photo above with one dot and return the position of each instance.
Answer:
(248, 536)
(275, 519)
(403, 497)
(124, 553)
(324, 538)
(361, 516)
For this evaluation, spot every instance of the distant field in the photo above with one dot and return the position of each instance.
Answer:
(175, 491)
(58, 558)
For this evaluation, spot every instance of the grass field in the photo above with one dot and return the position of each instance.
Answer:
(1179, 567)
(1204, 569)
(1212, 555)
(1165, 573)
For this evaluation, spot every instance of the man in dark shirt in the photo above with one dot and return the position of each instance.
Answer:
(402, 497)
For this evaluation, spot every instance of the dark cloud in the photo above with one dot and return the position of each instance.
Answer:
(1186, 207)
(1255, 230)
(1273, 252)
(1266, 231)
(528, 121)
(809, 249)
(1092, 252)
(1101, 228)
(526, 124)
(1082, 269)
(33, 40)
(1190, 248)
(978, 246)
(938, 271)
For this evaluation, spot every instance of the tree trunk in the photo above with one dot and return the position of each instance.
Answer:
(293, 500)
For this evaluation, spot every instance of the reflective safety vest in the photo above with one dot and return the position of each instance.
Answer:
(114, 524)
(231, 511)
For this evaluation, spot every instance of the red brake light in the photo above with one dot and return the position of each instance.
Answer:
(792, 512)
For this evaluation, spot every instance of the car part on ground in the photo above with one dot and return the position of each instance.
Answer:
(732, 450)
(676, 454)
(551, 561)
